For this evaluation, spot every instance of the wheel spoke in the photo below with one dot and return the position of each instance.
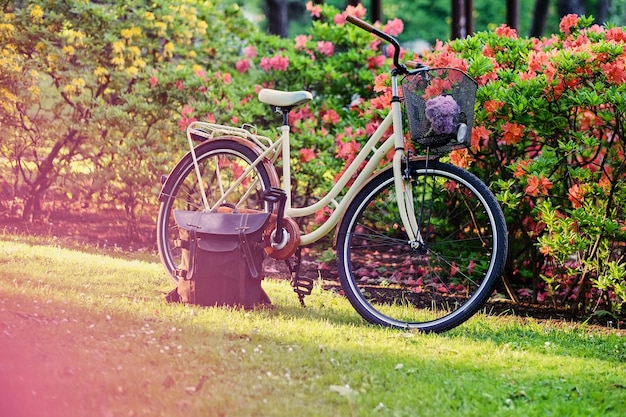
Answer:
(434, 284)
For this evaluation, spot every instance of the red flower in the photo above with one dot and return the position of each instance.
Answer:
(306, 155)
(575, 195)
(512, 133)
(538, 186)
(480, 136)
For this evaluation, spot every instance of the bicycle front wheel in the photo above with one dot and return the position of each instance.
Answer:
(439, 281)
(222, 165)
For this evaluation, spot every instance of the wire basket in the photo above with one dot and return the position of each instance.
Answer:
(439, 104)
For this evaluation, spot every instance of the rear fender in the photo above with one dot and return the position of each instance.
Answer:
(168, 184)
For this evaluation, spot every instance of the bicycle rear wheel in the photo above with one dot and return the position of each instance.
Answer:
(438, 283)
(222, 163)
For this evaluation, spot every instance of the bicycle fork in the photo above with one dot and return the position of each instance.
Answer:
(404, 191)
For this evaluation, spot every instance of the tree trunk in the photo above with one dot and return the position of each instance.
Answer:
(47, 172)
(539, 18)
(602, 11)
(566, 7)
(277, 17)
(376, 10)
(459, 19)
(512, 14)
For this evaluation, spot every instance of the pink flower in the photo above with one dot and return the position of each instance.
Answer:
(617, 34)
(372, 127)
(280, 63)
(348, 150)
(615, 72)
(250, 52)
(266, 64)
(306, 155)
(537, 185)
(576, 195)
(567, 23)
(506, 32)
(381, 82)
(185, 120)
(186, 111)
(200, 73)
(316, 11)
(375, 62)
(331, 117)
(356, 11)
(326, 48)
(153, 81)
(243, 65)
(394, 27)
(301, 41)
(227, 78)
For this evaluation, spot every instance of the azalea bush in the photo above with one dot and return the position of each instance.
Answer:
(549, 136)
(336, 61)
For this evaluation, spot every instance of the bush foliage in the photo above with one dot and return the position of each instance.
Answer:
(95, 99)
(549, 134)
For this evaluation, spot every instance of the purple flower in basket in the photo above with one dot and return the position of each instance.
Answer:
(443, 113)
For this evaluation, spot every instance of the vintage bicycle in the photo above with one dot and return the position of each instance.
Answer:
(420, 243)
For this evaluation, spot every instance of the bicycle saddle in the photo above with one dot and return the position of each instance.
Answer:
(284, 98)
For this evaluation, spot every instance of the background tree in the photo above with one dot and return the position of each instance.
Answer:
(88, 111)
(277, 17)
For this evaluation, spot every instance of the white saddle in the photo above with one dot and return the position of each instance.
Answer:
(284, 98)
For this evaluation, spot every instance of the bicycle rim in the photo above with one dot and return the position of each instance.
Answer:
(434, 285)
(222, 165)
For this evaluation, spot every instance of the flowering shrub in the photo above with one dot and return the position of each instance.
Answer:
(334, 59)
(549, 135)
(548, 131)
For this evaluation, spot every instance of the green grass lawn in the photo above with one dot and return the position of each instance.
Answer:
(87, 334)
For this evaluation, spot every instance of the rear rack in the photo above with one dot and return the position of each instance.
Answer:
(210, 131)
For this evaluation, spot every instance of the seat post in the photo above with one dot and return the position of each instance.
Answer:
(285, 114)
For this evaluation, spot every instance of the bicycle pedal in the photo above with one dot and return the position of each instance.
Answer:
(303, 285)
(274, 195)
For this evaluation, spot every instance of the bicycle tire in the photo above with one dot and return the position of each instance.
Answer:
(431, 287)
(181, 192)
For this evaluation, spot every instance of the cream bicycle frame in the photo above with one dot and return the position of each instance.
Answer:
(274, 149)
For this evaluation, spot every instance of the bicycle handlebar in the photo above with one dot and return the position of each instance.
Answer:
(370, 28)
